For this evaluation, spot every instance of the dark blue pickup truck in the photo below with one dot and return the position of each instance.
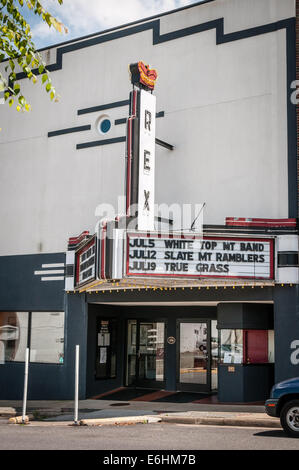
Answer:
(284, 404)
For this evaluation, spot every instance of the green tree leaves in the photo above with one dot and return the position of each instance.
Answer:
(18, 53)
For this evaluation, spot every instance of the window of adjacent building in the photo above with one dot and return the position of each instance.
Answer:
(13, 336)
(42, 332)
(47, 337)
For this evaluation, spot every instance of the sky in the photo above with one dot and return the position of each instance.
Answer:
(83, 17)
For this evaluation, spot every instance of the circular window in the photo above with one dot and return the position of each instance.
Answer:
(103, 124)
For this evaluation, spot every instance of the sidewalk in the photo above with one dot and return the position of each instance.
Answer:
(101, 412)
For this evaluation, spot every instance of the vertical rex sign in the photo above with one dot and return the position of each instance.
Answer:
(146, 180)
(141, 133)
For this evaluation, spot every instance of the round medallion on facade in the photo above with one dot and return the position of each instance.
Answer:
(171, 340)
(103, 124)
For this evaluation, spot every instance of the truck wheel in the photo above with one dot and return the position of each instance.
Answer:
(289, 418)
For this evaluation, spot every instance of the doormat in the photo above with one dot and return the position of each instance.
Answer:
(155, 396)
(182, 397)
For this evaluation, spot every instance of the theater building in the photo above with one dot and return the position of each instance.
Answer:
(202, 307)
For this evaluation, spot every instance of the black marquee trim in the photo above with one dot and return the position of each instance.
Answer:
(220, 229)
(221, 38)
(287, 259)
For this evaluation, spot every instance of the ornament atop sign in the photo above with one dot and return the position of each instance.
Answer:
(142, 75)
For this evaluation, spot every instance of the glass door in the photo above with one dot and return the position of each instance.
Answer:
(194, 371)
(145, 353)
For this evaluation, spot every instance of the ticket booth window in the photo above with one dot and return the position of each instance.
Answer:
(231, 351)
(259, 346)
(247, 346)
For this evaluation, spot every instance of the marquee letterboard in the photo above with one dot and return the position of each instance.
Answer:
(85, 263)
(190, 256)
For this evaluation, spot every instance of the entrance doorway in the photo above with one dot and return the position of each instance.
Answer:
(197, 355)
(145, 354)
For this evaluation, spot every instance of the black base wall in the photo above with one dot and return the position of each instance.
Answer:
(286, 323)
(54, 381)
(23, 291)
(238, 383)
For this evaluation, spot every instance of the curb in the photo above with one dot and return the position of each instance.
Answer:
(123, 420)
(265, 423)
(7, 412)
(131, 420)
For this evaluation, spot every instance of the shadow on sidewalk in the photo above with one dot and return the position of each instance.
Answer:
(275, 433)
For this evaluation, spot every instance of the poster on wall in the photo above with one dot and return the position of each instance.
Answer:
(188, 256)
(103, 355)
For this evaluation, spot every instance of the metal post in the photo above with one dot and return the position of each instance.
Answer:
(76, 385)
(25, 385)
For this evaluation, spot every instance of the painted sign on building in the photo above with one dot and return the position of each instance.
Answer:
(176, 256)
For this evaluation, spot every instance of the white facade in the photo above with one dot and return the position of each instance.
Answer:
(225, 111)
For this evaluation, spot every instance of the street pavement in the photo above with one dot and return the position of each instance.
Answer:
(142, 437)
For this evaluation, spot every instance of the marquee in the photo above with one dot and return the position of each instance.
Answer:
(190, 256)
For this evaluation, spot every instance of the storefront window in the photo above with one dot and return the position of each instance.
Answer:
(47, 337)
(231, 346)
(13, 336)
